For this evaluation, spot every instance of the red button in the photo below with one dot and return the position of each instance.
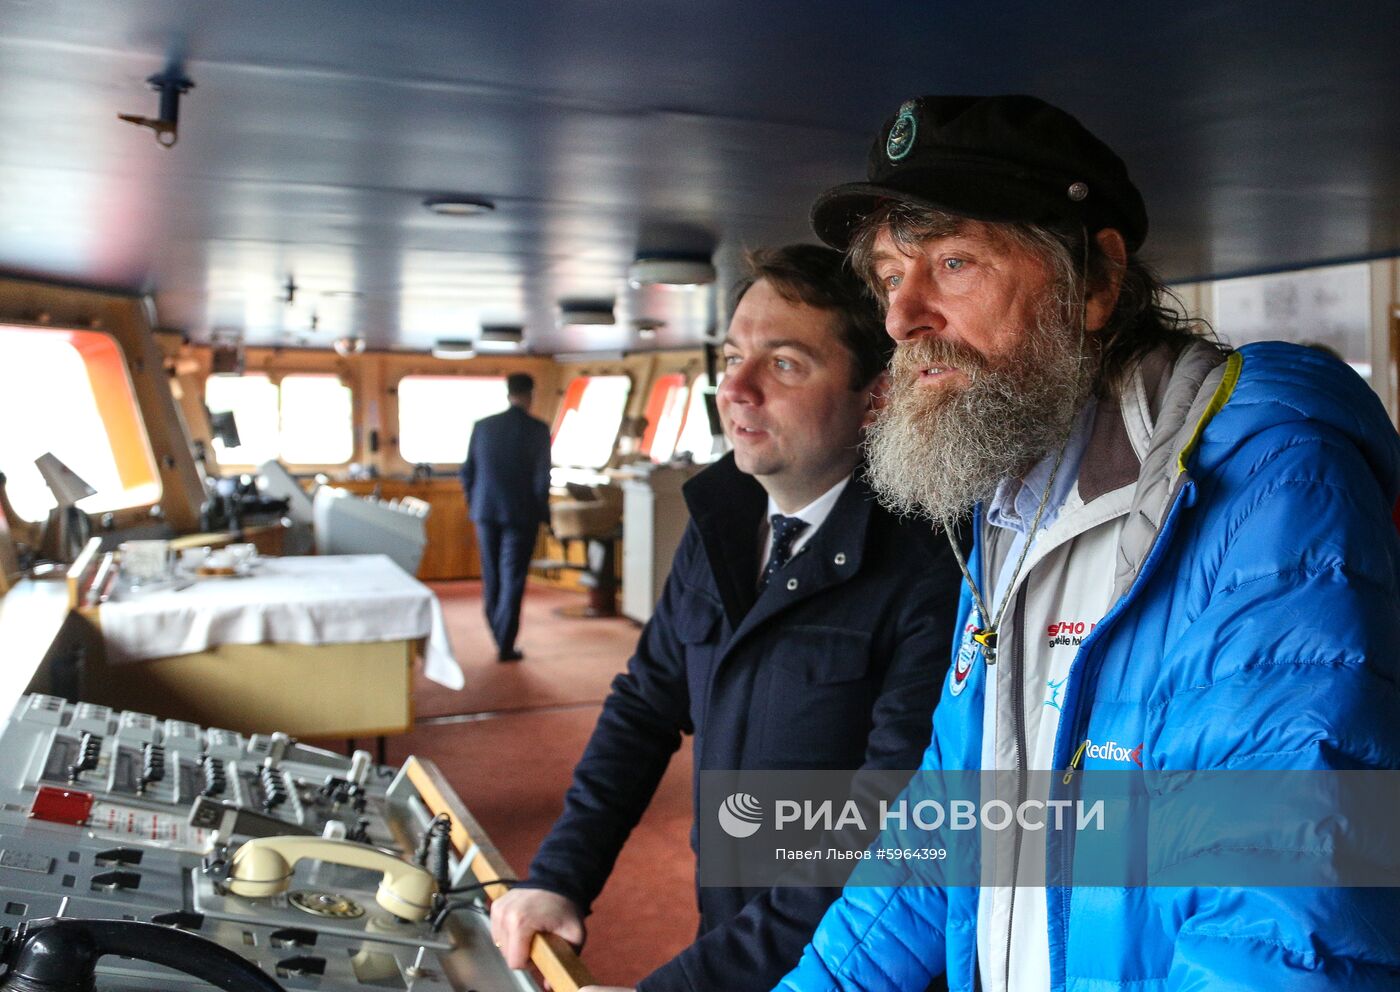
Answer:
(61, 806)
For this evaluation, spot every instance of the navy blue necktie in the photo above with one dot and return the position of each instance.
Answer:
(785, 531)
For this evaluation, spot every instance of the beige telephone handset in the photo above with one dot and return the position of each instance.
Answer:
(262, 867)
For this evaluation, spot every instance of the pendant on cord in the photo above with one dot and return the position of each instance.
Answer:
(988, 640)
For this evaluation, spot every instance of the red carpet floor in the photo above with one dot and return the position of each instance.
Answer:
(508, 742)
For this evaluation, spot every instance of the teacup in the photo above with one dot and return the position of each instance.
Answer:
(146, 561)
(242, 555)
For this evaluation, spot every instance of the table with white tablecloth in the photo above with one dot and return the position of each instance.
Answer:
(314, 646)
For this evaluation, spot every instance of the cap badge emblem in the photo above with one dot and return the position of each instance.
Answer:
(902, 133)
(1078, 191)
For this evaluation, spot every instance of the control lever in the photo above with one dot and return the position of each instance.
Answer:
(360, 764)
(263, 866)
(89, 752)
(360, 833)
(215, 780)
(274, 785)
(152, 766)
(60, 955)
(339, 791)
(277, 749)
(232, 820)
(335, 790)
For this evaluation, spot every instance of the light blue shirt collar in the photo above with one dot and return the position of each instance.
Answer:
(1016, 500)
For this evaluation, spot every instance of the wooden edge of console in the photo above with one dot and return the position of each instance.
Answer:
(211, 540)
(79, 571)
(553, 956)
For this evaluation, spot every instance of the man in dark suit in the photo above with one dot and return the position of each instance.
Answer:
(801, 627)
(506, 482)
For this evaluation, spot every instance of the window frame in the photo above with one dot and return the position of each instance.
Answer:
(274, 382)
(572, 399)
(275, 377)
(698, 384)
(118, 409)
(656, 409)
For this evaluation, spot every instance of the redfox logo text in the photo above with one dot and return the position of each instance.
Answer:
(1113, 751)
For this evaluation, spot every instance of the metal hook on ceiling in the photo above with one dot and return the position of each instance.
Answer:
(171, 85)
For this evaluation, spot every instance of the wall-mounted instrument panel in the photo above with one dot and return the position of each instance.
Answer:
(144, 851)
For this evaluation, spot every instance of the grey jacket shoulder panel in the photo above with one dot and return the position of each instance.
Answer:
(1194, 379)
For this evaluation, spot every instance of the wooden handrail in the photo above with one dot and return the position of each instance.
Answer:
(551, 954)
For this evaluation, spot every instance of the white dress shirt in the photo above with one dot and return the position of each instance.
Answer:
(815, 513)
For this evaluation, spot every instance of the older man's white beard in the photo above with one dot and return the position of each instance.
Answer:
(937, 452)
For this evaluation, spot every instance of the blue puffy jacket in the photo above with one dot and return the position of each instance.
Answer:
(1256, 626)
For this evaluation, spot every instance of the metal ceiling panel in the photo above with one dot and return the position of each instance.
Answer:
(1262, 135)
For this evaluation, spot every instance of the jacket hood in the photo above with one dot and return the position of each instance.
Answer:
(1283, 385)
(1214, 403)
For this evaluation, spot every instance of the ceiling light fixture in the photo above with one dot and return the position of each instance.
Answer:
(597, 312)
(453, 349)
(670, 270)
(502, 333)
(459, 206)
(500, 339)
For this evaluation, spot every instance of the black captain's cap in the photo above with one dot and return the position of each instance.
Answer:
(994, 158)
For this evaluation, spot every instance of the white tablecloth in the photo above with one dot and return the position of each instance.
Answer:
(331, 599)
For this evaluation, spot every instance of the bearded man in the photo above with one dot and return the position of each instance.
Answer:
(1184, 559)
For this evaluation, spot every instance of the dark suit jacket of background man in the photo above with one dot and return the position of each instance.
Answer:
(841, 672)
(506, 482)
(506, 474)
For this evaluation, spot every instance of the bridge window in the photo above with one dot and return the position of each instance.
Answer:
(437, 414)
(252, 399)
(589, 418)
(302, 420)
(317, 420)
(83, 409)
(665, 414)
(695, 435)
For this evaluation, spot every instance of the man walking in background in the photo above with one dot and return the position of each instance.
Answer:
(506, 482)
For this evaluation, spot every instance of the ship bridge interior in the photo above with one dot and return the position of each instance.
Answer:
(263, 265)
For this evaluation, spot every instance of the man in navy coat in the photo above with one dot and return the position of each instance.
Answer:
(801, 627)
(506, 482)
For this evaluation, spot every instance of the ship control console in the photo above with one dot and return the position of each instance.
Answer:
(146, 854)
